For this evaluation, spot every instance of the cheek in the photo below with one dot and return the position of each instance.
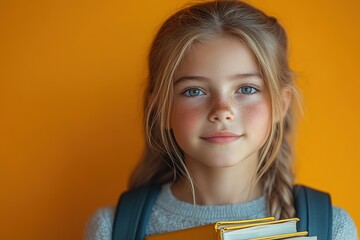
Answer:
(185, 124)
(184, 117)
(256, 111)
(258, 116)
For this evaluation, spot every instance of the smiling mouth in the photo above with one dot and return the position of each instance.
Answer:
(221, 139)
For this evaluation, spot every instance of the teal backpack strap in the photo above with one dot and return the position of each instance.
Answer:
(314, 209)
(133, 212)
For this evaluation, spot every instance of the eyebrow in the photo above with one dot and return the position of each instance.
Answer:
(233, 77)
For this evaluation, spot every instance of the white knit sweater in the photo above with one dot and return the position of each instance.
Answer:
(170, 214)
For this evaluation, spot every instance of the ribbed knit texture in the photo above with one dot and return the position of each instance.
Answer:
(170, 214)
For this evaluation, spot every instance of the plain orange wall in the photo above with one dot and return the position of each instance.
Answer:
(71, 81)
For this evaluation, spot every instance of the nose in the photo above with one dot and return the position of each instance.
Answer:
(221, 110)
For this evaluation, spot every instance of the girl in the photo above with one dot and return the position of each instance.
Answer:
(217, 116)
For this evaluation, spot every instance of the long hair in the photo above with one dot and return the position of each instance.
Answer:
(162, 159)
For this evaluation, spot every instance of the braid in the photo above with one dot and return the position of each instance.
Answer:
(278, 179)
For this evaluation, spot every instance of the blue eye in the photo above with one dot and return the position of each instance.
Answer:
(248, 90)
(193, 92)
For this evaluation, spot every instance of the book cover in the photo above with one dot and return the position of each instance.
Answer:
(257, 229)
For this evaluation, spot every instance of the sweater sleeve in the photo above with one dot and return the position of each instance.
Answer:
(343, 226)
(99, 226)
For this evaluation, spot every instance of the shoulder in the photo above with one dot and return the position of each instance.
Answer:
(99, 226)
(343, 225)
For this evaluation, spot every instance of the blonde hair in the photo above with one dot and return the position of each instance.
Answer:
(163, 159)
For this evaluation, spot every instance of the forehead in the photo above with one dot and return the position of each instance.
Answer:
(218, 58)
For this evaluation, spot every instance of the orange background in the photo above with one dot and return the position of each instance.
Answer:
(71, 81)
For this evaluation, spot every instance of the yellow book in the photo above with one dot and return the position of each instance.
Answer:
(244, 229)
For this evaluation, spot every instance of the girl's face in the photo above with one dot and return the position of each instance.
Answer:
(221, 114)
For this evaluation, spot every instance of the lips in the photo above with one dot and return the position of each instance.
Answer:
(221, 137)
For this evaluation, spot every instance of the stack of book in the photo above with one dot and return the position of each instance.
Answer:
(259, 229)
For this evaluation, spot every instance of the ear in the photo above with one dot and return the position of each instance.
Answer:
(286, 96)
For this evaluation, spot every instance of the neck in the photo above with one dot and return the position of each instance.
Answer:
(219, 186)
